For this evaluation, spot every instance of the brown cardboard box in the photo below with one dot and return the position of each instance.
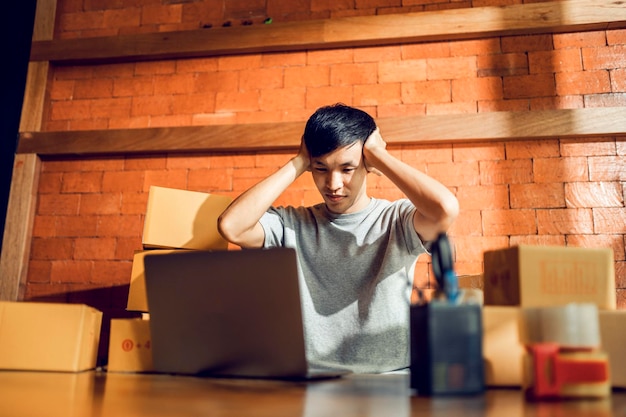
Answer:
(183, 219)
(613, 339)
(137, 298)
(48, 336)
(130, 346)
(541, 276)
(502, 349)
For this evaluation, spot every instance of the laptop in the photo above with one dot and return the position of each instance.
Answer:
(227, 313)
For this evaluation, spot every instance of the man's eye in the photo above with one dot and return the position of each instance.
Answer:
(348, 170)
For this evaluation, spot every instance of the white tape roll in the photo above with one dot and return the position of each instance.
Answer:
(570, 326)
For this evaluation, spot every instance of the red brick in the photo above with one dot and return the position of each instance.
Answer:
(159, 14)
(427, 92)
(564, 221)
(561, 102)
(377, 94)
(82, 182)
(353, 73)
(469, 223)
(93, 88)
(124, 181)
(620, 275)
(134, 203)
(617, 36)
(529, 86)
(127, 246)
(472, 248)
(606, 100)
(594, 194)
(546, 195)
(508, 222)
(282, 99)
(196, 65)
(58, 204)
(618, 80)
(527, 43)
(330, 56)
(450, 68)
(607, 57)
(582, 147)
(76, 226)
(106, 203)
(547, 170)
(44, 226)
(538, 240)
(51, 248)
(88, 124)
(402, 71)
(111, 272)
(613, 241)
(284, 59)
(73, 72)
(171, 120)
(454, 174)
(81, 21)
(126, 225)
(607, 168)
(239, 62)
(94, 248)
(62, 89)
(485, 106)
(548, 148)
(579, 39)
(151, 68)
(309, 76)
(322, 96)
(378, 53)
(237, 101)
(609, 220)
(39, 271)
(184, 83)
(426, 50)
(122, 17)
(151, 105)
(478, 151)
(502, 64)
(70, 110)
(261, 78)
(131, 87)
(517, 171)
(480, 197)
(140, 163)
(583, 82)
(400, 110)
(469, 89)
(211, 180)
(101, 164)
(475, 47)
(166, 178)
(564, 60)
(50, 182)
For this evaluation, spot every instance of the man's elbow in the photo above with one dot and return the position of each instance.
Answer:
(449, 212)
(225, 228)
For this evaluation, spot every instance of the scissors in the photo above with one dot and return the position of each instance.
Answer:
(443, 268)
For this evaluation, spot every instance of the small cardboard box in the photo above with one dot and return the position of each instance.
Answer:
(613, 339)
(182, 219)
(48, 336)
(130, 346)
(542, 276)
(503, 351)
(137, 297)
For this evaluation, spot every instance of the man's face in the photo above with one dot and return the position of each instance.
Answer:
(340, 178)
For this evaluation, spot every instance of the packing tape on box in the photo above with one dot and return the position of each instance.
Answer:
(574, 325)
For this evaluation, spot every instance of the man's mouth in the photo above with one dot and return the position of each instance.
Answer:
(334, 197)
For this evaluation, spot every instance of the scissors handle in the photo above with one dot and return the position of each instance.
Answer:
(443, 267)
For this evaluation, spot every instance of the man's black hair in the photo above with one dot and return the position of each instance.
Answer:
(336, 126)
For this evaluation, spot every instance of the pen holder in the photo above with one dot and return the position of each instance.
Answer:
(446, 349)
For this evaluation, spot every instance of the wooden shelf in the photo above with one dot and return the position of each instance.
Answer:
(494, 126)
(466, 23)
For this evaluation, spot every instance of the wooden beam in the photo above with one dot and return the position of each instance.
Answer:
(495, 126)
(465, 23)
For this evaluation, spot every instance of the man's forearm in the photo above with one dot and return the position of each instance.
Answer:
(243, 214)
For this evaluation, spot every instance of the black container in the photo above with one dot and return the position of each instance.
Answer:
(446, 349)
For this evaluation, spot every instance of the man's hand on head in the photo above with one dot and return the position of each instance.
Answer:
(372, 145)
(303, 156)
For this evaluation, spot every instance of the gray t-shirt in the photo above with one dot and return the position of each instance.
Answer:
(356, 274)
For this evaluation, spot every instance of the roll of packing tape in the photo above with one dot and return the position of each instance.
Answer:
(570, 326)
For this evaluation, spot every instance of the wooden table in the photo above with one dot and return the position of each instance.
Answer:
(37, 394)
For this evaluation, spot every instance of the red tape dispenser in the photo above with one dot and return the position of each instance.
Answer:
(564, 359)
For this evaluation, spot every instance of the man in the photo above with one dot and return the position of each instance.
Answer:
(356, 254)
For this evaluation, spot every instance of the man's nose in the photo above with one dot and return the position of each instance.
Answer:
(333, 181)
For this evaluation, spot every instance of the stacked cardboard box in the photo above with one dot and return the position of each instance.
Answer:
(543, 276)
(175, 220)
(48, 336)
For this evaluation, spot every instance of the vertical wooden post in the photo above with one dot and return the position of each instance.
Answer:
(25, 179)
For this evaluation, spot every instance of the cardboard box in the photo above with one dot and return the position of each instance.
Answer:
(48, 336)
(137, 297)
(183, 219)
(613, 339)
(541, 276)
(502, 350)
(130, 346)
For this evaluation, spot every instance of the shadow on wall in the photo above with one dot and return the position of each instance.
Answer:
(110, 300)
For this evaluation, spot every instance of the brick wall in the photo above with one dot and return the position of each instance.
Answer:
(90, 211)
